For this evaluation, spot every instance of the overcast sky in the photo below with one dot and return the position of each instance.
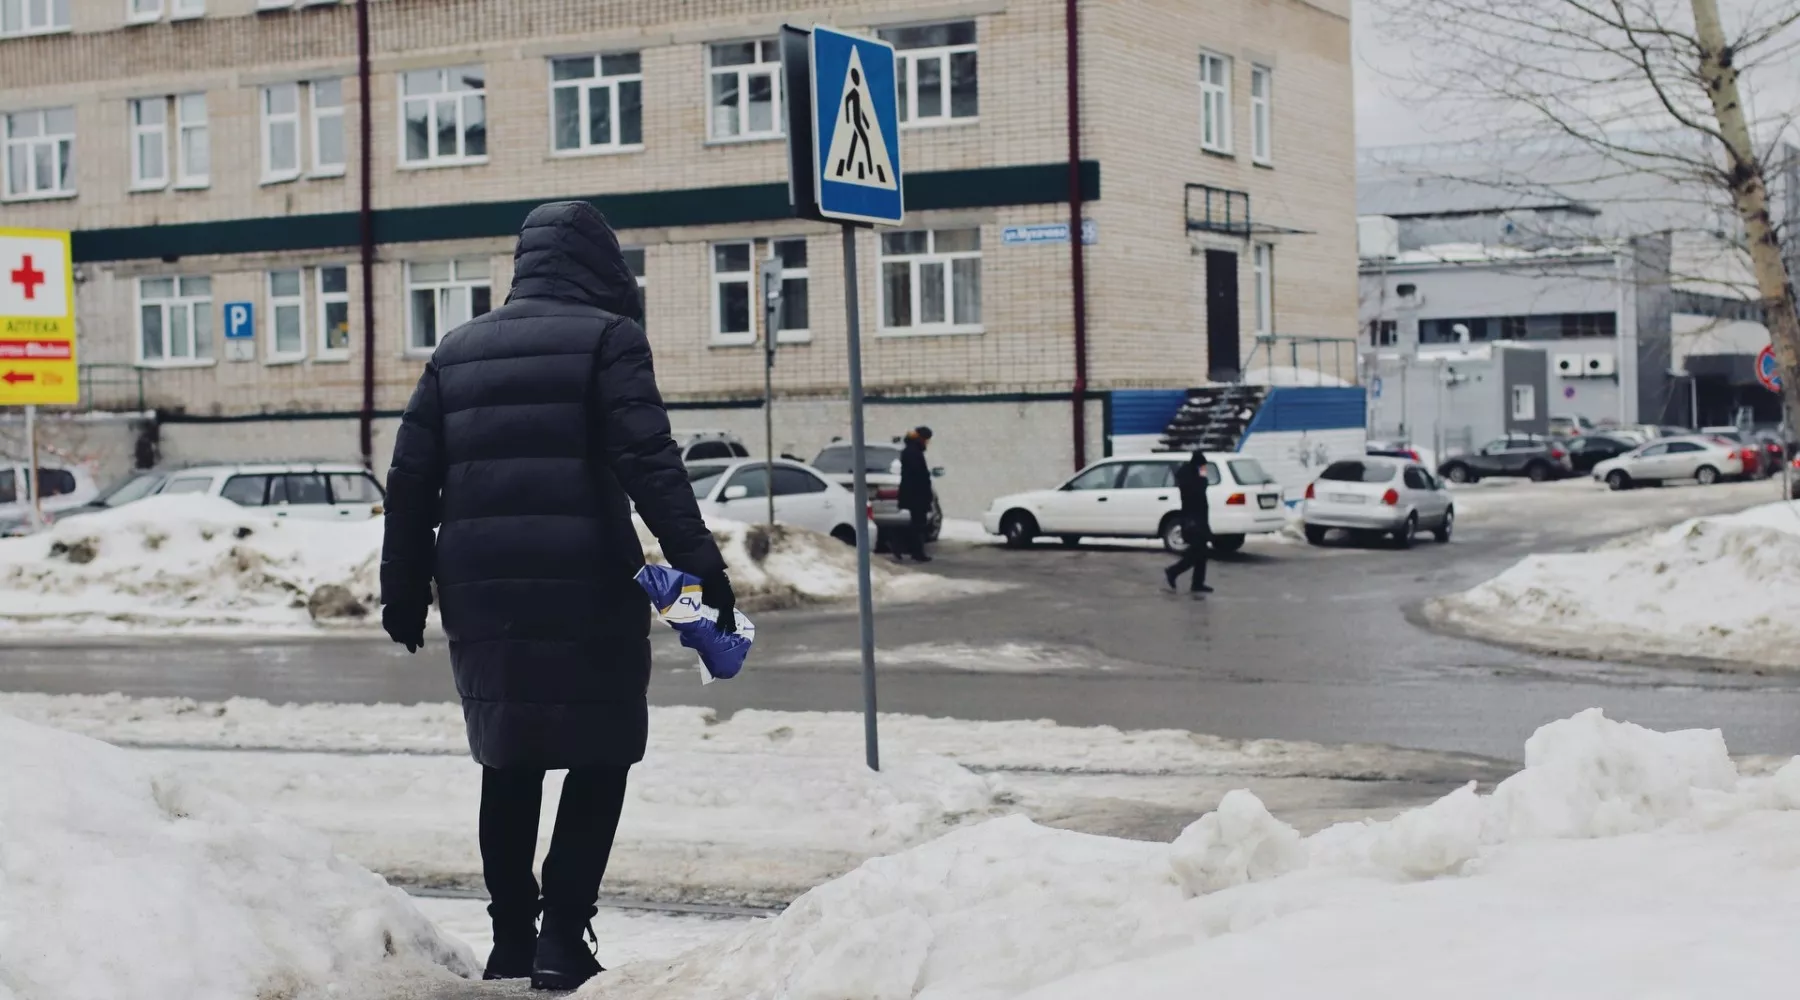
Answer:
(1382, 118)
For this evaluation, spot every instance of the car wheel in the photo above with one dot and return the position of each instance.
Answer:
(1459, 474)
(1316, 535)
(935, 522)
(1227, 543)
(1538, 472)
(1071, 541)
(844, 533)
(1174, 534)
(1442, 532)
(1618, 480)
(1019, 528)
(1403, 538)
(1706, 475)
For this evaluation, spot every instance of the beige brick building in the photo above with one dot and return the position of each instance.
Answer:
(206, 153)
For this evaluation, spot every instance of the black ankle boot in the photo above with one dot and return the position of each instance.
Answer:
(564, 960)
(515, 944)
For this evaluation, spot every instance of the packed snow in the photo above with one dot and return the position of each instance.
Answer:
(1719, 588)
(622, 934)
(1619, 863)
(198, 565)
(125, 880)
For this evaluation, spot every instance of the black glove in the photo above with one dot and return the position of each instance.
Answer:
(405, 624)
(715, 593)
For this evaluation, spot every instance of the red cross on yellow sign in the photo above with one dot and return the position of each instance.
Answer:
(37, 319)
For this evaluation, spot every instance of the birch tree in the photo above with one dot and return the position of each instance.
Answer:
(1649, 86)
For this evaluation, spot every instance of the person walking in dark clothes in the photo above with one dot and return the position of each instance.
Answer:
(532, 432)
(916, 494)
(1190, 478)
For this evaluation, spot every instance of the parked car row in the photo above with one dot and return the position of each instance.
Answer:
(302, 491)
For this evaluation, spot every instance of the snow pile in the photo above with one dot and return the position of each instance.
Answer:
(189, 562)
(784, 566)
(1714, 587)
(118, 880)
(1620, 862)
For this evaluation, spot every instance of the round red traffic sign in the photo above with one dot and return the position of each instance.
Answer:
(1767, 371)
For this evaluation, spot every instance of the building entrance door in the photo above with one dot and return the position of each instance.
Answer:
(1224, 361)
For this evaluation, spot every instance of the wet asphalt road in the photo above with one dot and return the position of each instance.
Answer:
(1297, 643)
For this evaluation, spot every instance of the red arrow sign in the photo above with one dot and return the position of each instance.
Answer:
(10, 377)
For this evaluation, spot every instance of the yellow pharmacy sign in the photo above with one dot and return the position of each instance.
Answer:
(37, 319)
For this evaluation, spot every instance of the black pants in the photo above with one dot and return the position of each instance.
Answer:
(913, 544)
(586, 820)
(1199, 542)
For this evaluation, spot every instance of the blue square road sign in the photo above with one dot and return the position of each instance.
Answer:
(240, 321)
(856, 134)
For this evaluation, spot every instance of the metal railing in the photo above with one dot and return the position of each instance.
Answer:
(1333, 356)
(111, 386)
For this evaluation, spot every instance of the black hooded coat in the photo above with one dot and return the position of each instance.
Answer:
(533, 430)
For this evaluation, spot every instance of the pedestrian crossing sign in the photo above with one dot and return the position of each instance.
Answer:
(856, 138)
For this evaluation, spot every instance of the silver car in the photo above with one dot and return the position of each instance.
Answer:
(1376, 495)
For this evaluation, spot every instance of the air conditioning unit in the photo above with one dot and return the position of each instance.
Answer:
(1570, 365)
(1600, 365)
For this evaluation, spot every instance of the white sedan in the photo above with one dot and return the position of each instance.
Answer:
(1136, 497)
(1706, 460)
(738, 490)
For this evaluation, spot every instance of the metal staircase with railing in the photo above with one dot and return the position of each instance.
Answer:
(1214, 417)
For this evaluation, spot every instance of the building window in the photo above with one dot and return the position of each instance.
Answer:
(443, 295)
(193, 151)
(745, 89)
(1215, 103)
(40, 153)
(1262, 97)
(597, 103)
(931, 281)
(33, 17)
(184, 9)
(1514, 327)
(1524, 402)
(443, 116)
(1384, 333)
(1262, 261)
(936, 78)
(327, 126)
(794, 323)
(141, 11)
(1451, 331)
(1577, 326)
(731, 294)
(333, 312)
(149, 143)
(174, 320)
(287, 317)
(634, 259)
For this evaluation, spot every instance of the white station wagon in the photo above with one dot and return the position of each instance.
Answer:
(1135, 497)
(312, 491)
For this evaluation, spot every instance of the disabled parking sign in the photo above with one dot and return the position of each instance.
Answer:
(856, 133)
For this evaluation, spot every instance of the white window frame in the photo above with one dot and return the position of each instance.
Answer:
(273, 4)
(321, 299)
(62, 146)
(907, 69)
(272, 352)
(747, 278)
(1215, 103)
(796, 335)
(743, 73)
(189, 123)
(183, 10)
(317, 117)
(51, 9)
(918, 261)
(157, 132)
(195, 306)
(1262, 115)
(447, 75)
(1524, 402)
(456, 282)
(1262, 264)
(584, 89)
(143, 11)
(270, 120)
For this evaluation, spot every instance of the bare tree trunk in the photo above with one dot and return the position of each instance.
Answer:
(1750, 196)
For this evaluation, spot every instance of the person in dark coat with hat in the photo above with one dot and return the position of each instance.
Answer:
(1196, 528)
(916, 494)
(531, 434)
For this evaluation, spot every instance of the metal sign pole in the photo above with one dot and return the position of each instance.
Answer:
(771, 289)
(33, 479)
(865, 605)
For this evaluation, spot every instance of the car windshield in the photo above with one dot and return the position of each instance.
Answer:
(839, 459)
(1358, 472)
(1249, 472)
(704, 478)
(126, 490)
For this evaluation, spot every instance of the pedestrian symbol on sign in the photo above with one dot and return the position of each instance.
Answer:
(858, 153)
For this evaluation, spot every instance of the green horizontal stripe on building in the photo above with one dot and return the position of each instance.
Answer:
(983, 187)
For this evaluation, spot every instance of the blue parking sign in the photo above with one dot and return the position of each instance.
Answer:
(856, 134)
(240, 321)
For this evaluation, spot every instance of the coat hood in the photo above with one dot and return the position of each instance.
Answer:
(567, 251)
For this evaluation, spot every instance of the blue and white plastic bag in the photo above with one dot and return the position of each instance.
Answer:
(676, 596)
